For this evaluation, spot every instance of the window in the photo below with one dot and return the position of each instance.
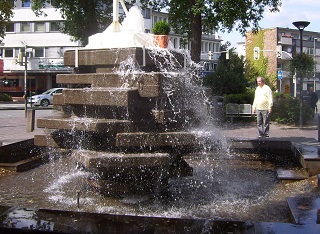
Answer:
(9, 27)
(146, 13)
(25, 26)
(39, 26)
(55, 26)
(8, 52)
(25, 3)
(39, 52)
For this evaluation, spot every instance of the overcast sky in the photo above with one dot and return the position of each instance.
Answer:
(290, 11)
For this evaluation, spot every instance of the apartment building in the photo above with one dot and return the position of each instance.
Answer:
(279, 45)
(45, 46)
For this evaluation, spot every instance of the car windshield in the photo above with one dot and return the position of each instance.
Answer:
(48, 91)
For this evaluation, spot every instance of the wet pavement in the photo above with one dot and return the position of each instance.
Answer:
(13, 129)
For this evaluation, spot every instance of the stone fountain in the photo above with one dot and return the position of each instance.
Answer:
(125, 117)
(128, 121)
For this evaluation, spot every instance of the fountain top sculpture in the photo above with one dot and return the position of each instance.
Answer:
(129, 34)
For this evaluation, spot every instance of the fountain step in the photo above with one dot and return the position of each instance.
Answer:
(291, 174)
(131, 173)
(85, 124)
(108, 59)
(45, 140)
(304, 210)
(22, 156)
(105, 141)
(112, 79)
(102, 96)
(109, 161)
(144, 139)
(308, 154)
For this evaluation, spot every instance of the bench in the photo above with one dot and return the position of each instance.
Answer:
(234, 110)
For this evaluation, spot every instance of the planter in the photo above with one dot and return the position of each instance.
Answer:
(161, 41)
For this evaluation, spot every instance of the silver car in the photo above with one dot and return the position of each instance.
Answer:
(44, 99)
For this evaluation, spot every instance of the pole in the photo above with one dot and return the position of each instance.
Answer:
(301, 84)
(315, 65)
(25, 82)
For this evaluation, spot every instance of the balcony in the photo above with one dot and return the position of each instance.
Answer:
(285, 40)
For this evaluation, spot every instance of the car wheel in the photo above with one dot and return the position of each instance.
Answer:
(45, 102)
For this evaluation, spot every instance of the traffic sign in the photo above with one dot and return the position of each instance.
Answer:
(279, 75)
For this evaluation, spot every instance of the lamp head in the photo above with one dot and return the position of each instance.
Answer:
(301, 24)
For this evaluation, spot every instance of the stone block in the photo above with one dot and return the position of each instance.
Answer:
(85, 124)
(109, 160)
(75, 78)
(58, 99)
(110, 58)
(45, 140)
(143, 139)
(102, 96)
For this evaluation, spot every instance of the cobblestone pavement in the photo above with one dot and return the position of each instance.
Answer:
(13, 127)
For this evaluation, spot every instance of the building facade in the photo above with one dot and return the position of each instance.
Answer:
(279, 45)
(45, 45)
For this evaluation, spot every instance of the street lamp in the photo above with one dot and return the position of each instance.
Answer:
(25, 63)
(301, 25)
(315, 65)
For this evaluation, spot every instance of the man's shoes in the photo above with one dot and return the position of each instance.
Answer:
(266, 135)
(260, 136)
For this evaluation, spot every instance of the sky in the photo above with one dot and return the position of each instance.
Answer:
(290, 11)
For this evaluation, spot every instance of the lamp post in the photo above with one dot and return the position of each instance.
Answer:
(315, 65)
(301, 25)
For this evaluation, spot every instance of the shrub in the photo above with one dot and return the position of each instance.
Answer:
(161, 28)
(5, 97)
(286, 110)
(241, 98)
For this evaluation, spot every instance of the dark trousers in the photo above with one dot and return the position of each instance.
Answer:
(263, 120)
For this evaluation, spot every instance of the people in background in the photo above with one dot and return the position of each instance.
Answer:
(314, 100)
(262, 106)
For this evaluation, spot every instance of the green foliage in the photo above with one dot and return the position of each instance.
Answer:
(240, 98)
(5, 97)
(161, 28)
(286, 110)
(229, 76)
(304, 65)
(5, 15)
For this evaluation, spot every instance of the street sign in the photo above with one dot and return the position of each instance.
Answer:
(279, 75)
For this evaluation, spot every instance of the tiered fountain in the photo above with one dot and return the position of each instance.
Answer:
(128, 120)
(125, 116)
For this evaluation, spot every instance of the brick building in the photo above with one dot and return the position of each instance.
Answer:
(278, 45)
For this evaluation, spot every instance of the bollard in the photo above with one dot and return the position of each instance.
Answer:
(30, 120)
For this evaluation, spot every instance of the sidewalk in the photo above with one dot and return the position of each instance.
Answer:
(13, 128)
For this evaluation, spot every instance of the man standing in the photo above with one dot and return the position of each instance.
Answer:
(314, 100)
(262, 106)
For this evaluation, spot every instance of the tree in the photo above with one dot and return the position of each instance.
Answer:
(229, 77)
(6, 13)
(303, 64)
(194, 17)
(83, 18)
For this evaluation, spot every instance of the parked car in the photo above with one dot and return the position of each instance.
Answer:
(44, 99)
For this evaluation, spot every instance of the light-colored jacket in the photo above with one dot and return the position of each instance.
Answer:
(263, 99)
